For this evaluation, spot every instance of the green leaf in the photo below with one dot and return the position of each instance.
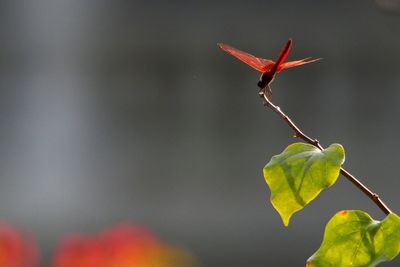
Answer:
(299, 174)
(354, 239)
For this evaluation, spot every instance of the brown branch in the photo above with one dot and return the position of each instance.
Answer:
(299, 134)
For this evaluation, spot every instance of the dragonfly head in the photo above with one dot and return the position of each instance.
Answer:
(265, 79)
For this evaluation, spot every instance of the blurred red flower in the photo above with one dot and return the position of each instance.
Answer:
(120, 246)
(16, 248)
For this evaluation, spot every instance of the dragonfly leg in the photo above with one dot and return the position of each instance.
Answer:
(268, 92)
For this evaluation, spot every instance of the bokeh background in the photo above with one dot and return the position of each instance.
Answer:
(115, 111)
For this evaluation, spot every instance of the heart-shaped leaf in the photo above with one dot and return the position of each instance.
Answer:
(354, 239)
(299, 174)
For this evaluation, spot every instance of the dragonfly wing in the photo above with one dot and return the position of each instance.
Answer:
(260, 64)
(295, 63)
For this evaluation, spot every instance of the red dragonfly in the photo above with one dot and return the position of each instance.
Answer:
(267, 67)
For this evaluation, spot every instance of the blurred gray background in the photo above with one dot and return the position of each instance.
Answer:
(127, 110)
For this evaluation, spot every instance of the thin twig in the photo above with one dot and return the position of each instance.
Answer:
(299, 134)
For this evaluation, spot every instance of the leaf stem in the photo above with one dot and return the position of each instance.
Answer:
(299, 134)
